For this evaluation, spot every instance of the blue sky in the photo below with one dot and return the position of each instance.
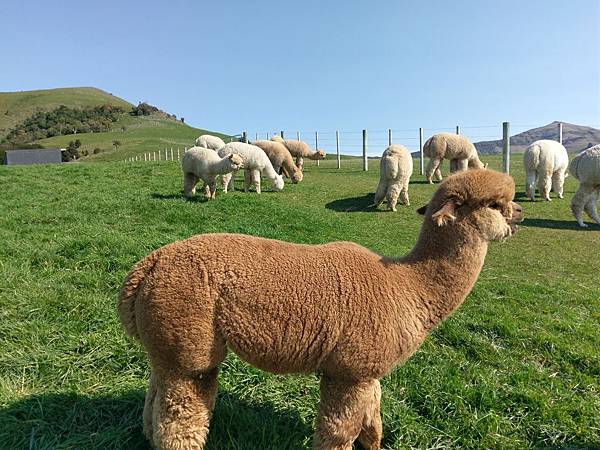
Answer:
(317, 65)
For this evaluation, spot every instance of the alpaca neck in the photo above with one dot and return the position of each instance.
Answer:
(447, 261)
(268, 171)
(313, 155)
(222, 166)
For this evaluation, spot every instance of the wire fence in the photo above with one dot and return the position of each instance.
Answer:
(371, 143)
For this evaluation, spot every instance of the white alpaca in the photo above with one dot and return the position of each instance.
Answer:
(256, 163)
(205, 164)
(209, 141)
(396, 168)
(585, 167)
(545, 162)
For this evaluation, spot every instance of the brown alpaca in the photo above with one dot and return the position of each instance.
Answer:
(190, 301)
(458, 149)
(300, 150)
(281, 159)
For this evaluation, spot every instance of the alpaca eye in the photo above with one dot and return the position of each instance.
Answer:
(495, 206)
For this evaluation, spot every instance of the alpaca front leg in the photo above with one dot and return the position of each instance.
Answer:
(591, 208)
(182, 410)
(149, 407)
(578, 202)
(380, 193)
(227, 182)
(189, 184)
(211, 187)
(460, 164)
(372, 429)
(342, 413)
(299, 162)
(255, 177)
(247, 180)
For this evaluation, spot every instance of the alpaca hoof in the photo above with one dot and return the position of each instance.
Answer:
(583, 225)
(394, 209)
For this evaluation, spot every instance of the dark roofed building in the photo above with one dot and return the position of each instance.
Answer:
(33, 156)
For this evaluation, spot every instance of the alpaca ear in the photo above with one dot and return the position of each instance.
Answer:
(230, 156)
(485, 165)
(445, 214)
(422, 210)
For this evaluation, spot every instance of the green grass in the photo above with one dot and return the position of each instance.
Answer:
(517, 366)
(17, 106)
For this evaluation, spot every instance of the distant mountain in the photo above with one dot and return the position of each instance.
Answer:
(575, 138)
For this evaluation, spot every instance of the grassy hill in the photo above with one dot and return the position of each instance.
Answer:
(516, 367)
(17, 106)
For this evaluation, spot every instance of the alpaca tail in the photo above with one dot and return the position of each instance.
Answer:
(129, 293)
(532, 158)
(426, 147)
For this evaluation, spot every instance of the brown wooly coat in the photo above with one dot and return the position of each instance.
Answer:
(361, 316)
(300, 150)
(456, 148)
(281, 159)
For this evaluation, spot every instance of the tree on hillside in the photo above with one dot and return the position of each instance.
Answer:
(116, 144)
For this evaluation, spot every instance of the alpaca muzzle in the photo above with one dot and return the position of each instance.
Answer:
(516, 217)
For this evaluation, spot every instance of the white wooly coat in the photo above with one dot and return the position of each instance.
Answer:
(256, 163)
(585, 167)
(546, 162)
(209, 141)
(458, 149)
(396, 168)
(205, 164)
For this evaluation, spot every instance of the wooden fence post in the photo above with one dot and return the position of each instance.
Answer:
(297, 135)
(364, 144)
(560, 130)
(281, 134)
(506, 147)
(244, 137)
(317, 145)
(337, 147)
(421, 159)
(457, 129)
(389, 137)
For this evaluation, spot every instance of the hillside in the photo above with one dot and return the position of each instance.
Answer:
(137, 134)
(575, 138)
(17, 106)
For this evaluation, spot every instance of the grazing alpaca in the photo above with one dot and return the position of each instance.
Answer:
(396, 167)
(204, 164)
(210, 141)
(585, 167)
(281, 159)
(300, 150)
(458, 149)
(256, 163)
(546, 162)
(190, 301)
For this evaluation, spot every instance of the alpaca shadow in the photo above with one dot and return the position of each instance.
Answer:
(353, 204)
(555, 224)
(77, 421)
(196, 198)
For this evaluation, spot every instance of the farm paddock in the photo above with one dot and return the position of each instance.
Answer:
(517, 366)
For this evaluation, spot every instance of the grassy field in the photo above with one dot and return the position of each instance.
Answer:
(517, 366)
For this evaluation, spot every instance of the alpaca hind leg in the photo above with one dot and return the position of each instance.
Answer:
(404, 194)
(372, 429)
(380, 193)
(342, 411)
(545, 183)
(393, 192)
(530, 182)
(558, 181)
(182, 410)
(433, 167)
(189, 184)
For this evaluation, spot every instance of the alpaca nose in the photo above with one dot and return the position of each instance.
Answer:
(517, 215)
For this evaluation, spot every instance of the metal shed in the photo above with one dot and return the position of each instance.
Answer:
(33, 156)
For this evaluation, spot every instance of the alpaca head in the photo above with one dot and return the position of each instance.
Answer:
(296, 176)
(277, 183)
(235, 161)
(277, 138)
(475, 163)
(478, 202)
(320, 154)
